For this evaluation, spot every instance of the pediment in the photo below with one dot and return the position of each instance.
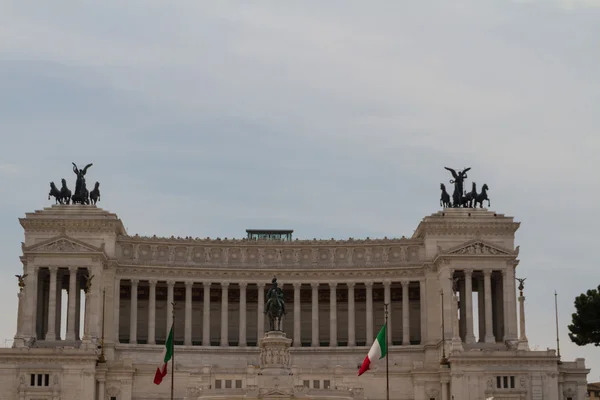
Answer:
(479, 248)
(62, 244)
(275, 393)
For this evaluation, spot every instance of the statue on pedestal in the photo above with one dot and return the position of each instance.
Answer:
(275, 307)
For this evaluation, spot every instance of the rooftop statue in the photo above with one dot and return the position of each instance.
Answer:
(460, 197)
(81, 194)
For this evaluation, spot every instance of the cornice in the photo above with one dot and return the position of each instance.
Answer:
(71, 217)
(266, 243)
(466, 222)
(288, 276)
(78, 225)
(46, 356)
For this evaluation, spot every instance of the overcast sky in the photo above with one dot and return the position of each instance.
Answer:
(331, 118)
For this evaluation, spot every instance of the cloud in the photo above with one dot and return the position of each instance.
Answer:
(334, 119)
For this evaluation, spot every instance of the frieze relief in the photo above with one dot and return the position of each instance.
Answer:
(269, 255)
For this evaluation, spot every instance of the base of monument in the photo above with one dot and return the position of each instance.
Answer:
(275, 354)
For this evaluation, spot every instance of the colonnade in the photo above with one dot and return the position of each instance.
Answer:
(46, 306)
(132, 291)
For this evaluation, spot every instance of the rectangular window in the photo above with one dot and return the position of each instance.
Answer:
(238, 384)
(32, 382)
(505, 382)
(316, 384)
(218, 384)
(46, 379)
(306, 384)
(326, 384)
(498, 382)
(39, 379)
(228, 384)
(512, 382)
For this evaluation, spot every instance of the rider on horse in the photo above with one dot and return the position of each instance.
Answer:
(275, 293)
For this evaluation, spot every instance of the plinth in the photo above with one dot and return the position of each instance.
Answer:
(275, 354)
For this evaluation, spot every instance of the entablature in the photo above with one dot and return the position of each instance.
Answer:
(267, 254)
(254, 275)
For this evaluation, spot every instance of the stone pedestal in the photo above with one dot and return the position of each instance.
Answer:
(275, 354)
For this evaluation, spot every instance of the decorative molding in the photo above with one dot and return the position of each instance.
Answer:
(267, 254)
(478, 248)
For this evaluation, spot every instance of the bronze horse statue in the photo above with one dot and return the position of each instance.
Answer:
(468, 199)
(95, 194)
(445, 199)
(54, 192)
(65, 193)
(275, 308)
(481, 197)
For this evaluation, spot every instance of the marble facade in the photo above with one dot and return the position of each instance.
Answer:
(459, 264)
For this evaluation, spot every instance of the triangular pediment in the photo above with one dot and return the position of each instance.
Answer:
(62, 244)
(478, 248)
(275, 393)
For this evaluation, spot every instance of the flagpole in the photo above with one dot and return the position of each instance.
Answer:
(387, 356)
(556, 314)
(173, 352)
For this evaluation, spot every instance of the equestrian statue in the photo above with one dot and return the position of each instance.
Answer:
(275, 307)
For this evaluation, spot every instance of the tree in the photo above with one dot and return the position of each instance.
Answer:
(585, 328)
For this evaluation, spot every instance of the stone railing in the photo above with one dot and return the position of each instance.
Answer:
(267, 254)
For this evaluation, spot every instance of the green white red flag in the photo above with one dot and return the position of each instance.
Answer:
(377, 352)
(167, 355)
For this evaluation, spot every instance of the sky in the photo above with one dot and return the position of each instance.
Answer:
(334, 119)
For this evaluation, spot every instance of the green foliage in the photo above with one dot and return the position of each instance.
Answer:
(585, 328)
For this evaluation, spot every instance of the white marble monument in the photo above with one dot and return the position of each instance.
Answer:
(334, 295)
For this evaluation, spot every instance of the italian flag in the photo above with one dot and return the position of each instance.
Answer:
(167, 354)
(377, 352)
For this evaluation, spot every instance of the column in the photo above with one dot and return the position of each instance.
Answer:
(31, 295)
(462, 312)
(297, 310)
(469, 335)
(369, 313)
(187, 339)
(423, 309)
(332, 315)
(487, 288)
(224, 313)
(117, 307)
(134, 310)
(260, 329)
(511, 296)
(242, 338)
(505, 309)
(351, 316)
(72, 303)
(315, 314)
(170, 287)
(522, 344)
(51, 334)
(445, 387)
(387, 299)
(58, 304)
(152, 312)
(206, 314)
(481, 308)
(405, 314)
(101, 388)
